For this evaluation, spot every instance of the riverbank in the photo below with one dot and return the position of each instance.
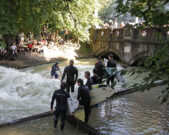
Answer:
(25, 60)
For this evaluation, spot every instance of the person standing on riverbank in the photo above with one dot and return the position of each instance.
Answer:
(72, 74)
(95, 78)
(89, 82)
(54, 70)
(99, 68)
(111, 64)
(84, 98)
(61, 105)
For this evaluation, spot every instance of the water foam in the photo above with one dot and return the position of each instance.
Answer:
(24, 93)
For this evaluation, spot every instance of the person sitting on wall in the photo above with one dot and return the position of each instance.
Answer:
(13, 48)
(30, 46)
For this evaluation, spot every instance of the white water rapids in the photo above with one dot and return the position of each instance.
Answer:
(28, 92)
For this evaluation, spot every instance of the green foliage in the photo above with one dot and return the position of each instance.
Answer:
(108, 12)
(156, 16)
(85, 48)
(30, 15)
(2, 44)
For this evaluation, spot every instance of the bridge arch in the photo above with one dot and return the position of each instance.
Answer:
(138, 58)
(116, 53)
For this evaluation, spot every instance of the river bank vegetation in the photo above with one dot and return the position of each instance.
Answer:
(156, 16)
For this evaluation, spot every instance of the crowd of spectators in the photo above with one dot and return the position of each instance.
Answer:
(111, 25)
(30, 44)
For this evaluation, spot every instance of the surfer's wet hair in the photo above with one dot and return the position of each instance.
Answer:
(63, 85)
(80, 81)
(71, 61)
(111, 55)
(87, 73)
(94, 71)
(99, 58)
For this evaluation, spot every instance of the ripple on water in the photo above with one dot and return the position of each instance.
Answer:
(132, 114)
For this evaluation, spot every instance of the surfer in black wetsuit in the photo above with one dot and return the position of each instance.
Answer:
(84, 98)
(55, 68)
(72, 75)
(61, 105)
(96, 79)
(111, 63)
(99, 68)
(89, 82)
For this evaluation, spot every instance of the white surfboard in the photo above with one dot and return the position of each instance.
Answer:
(73, 104)
(111, 71)
(105, 62)
(119, 77)
(98, 95)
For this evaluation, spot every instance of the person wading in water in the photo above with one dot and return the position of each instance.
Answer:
(72, 75)
(61, 105)
(54, 70)
(84, 98)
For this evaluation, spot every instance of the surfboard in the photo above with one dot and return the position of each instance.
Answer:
(119, 77)
(73, 104)
(100, 93)
(111, 71)
(105, 62)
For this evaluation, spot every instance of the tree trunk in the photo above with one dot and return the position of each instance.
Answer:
(8, 40)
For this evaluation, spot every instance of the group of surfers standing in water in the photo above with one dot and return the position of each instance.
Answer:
(71, 73)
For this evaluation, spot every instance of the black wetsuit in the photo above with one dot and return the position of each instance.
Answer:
(72, 75)
(111, 63)
(53, 71)
(89, 83)
(96, 79)
(99, 67)
(61, 106)
(84, 99)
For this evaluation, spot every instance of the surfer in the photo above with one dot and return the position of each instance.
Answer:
(84, 98)
(72, 75)
(99, 67)
(61, 105)
(89, 82)
(112, 64)
(96, 79)
(54, 70)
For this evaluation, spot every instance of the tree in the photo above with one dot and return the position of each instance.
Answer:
(30, 15)
(156, 16)
(22, 16)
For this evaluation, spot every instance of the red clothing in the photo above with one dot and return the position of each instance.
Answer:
(30, 46)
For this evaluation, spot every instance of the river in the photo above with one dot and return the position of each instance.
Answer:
(27, 92)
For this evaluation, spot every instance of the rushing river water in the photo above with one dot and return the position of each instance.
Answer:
(28, 92)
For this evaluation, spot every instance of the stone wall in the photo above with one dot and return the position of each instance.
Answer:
(128, 44)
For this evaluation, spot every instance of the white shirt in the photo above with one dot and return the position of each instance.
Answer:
(13, 47)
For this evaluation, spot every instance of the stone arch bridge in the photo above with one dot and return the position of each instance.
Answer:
(129, 45)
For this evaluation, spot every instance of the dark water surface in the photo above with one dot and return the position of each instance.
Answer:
(133, 114)
(43, 126)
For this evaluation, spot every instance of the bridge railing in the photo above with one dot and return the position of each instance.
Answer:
(145, 35)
